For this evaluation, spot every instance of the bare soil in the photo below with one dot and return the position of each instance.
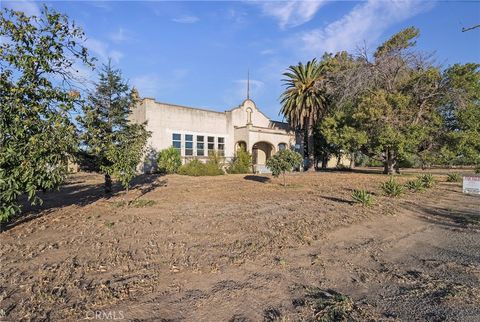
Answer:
(244, 248)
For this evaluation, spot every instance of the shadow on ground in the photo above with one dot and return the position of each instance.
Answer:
(261, 179)
(77, 192)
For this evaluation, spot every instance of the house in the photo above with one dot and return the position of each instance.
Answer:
(196, 132)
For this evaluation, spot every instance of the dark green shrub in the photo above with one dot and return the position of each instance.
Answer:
(169, 161)
(212, 167)
(427, 180)
(363, 197)
(392, 188)
(284, 161)
(241, 163)
(454, 177)
(415, 185)
(477, 168)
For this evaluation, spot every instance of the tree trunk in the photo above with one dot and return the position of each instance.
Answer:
(389, 163)
(324, 162)
(352, 160)
(108, 184)
(310, 144)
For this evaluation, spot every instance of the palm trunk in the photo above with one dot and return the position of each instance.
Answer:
(310, 146)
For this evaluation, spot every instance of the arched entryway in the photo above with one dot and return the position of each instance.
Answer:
(241, 145)
(261, 152)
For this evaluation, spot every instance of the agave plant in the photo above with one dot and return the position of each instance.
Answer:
(427, 180)
(454, 177)
(392, 188)
(415, 185)
(363, 197)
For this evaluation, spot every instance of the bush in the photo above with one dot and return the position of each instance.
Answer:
(454, 177)
(241, 163)
(392, 188)
(284, 161)
(427, 180)
(197, 168)
(169, 160)
(363, 197)
(477, 168)
(415, 185)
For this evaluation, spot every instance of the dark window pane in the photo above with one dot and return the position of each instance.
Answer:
(200, 152)
(176, 144)
(188, 137)
(221, 140)
(211, 139)
(188, 152)
(189, 145)
(211, 146)
(221, 146)
(199, 138)
(176, 137)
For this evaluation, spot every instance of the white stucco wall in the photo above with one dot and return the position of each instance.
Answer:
(166, 119)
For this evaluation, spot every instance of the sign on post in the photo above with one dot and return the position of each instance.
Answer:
(471, 184)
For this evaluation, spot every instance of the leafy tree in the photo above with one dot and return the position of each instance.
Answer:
(284, 161)
(241, 163)
(169, 160)
(391, 106)
(37, 59)
(113, 145)
(461, 111)
(304, 101)
(126, 153)
(341, 131)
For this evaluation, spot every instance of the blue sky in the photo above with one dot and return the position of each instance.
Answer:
(198, 53)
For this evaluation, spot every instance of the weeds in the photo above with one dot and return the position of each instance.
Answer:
(363, 197)
(330, 306)
(138, 203)
(454, 177)
(392, 188)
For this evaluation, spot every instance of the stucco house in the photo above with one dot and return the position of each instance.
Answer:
(195, 131)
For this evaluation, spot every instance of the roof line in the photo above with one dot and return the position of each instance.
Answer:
(183, 106)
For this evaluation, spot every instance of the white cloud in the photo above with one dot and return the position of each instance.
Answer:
(102, 50)
(30, 8)
(152, 85)
(186, 19)
(291, 13)
(120, 35)
(366, 22)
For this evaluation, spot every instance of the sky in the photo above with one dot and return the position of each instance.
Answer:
(198, 53)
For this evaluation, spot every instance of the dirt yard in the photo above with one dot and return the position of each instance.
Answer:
(244, 248)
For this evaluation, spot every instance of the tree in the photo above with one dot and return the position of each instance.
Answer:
(392, 101)
(461, 112)
(169, 160)
(284, 161)
(304, 101)
(107, 135)
(341, 132)
(37, 92)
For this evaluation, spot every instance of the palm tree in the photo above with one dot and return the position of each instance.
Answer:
(304, 101)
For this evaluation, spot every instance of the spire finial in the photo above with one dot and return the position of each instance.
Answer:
(248, 84)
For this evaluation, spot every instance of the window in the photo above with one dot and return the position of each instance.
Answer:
(200, 145)
(177, 142)
(188, 144)
(282, 146)
(221, 146)
(211, 144)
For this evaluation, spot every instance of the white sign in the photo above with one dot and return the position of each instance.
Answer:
(471, 185)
